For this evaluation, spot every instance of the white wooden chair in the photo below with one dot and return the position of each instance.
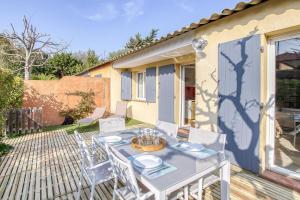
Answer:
(97, 114)
(121, 109)
(294, 133)
(96, 173)
(123, 171)
(111, 125)
(212, 140)
(167, 128)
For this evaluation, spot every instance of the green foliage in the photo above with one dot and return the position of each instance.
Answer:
(92, 59)
(88, 59)
(135, 42)
(4, 148)
(62, 64)
(138, 40)
(114, 54)
(11, 93)
(43, 76)
(5, 61)
(288, 93)
(84, 107)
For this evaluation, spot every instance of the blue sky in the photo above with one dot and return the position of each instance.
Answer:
(106, 25)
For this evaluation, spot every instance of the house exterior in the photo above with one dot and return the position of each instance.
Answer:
(219, 74)
(101, 70)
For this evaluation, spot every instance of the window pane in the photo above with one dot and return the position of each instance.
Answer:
(287, 121)
(140, 85)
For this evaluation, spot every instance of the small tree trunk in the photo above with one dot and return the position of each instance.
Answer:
(26, 73)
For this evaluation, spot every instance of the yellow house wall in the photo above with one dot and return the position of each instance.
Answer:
(268, 19)
(140, 109)
(104, 70)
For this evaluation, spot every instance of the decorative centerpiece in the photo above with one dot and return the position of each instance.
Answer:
(148, 140)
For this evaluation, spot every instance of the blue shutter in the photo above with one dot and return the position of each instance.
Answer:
(126, 86)
(151, 84)
(166, 93)
(239, 100)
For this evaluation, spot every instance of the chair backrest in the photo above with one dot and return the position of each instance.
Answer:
(121, 109)
(84, 151)
(123, 170)
(168, 128)
(297, 128)
(212, 140)
(111, 125)
(78, 138)
(98, 113)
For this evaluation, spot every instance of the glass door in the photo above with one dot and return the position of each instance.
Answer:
(188, 95)
(285, 120)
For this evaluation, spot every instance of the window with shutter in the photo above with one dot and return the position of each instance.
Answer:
(151, 84)
(126, 92)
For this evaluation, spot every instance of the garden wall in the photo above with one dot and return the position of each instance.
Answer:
(52, 95)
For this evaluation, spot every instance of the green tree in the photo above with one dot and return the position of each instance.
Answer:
(42, 76)
(134, 42)
(137, 40)
(29, 46)
(5, 61)
(92, 59)
(114, 54)
(62, 64)
(11, 94)
(88, 59)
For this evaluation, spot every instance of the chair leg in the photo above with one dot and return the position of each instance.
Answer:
(186, 193)
(92, 189)
(80, 185)
(200, 188)
(115, 188)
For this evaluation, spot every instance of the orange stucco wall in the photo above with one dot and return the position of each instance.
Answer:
(52, 95)
(104, 70)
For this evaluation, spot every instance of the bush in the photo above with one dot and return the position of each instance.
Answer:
(11, 94)
(84, 107)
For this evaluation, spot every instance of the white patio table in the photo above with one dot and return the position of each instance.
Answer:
(188, 168)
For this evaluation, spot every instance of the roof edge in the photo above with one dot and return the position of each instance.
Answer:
(241, 6)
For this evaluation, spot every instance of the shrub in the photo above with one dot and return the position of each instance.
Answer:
(84, 107)
(11, 94)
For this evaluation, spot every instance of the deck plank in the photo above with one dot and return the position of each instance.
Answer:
(47, 166)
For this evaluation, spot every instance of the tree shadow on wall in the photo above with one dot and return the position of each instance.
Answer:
(51, 107)
(241, 112)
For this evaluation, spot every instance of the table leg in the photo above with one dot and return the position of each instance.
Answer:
(186, 193)
(160, 196)
(225, 181)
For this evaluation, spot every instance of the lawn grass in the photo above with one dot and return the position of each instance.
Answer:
(85, 128)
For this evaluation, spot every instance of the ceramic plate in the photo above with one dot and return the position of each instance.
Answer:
(111, 139)
(147, 161)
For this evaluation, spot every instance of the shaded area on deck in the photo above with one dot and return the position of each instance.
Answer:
(46, 166)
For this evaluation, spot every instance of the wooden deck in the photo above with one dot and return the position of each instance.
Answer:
(46, 166)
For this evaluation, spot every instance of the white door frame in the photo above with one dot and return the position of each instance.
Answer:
(271, 77)
(182, 92)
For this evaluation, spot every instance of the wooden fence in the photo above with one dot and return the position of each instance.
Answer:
(25, 120)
